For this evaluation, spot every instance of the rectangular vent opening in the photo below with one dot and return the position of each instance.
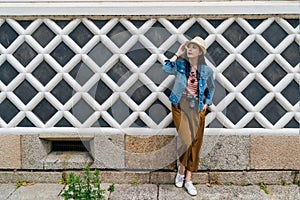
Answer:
(82, 146)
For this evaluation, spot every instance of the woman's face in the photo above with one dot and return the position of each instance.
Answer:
(193, 50)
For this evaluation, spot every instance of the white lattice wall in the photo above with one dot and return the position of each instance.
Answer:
(80, 52)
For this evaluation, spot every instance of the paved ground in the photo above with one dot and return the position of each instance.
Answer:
(157, 192)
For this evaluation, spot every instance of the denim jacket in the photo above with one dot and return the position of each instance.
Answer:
(182, 69)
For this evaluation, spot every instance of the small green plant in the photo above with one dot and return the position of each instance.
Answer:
(246, 183)
(135, 182)
(63, 180)
(229, 183)
(22, 183)
(87, 188)
(263, 187)
(111, 188)
(283, 182)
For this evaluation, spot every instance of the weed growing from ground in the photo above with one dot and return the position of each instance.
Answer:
(87, 188)
(263, 187)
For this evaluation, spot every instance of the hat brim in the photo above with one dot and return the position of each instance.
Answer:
(201, 47)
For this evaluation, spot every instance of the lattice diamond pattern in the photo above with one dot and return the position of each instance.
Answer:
(118, 59)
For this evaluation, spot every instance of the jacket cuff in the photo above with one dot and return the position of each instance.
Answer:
(208, 101)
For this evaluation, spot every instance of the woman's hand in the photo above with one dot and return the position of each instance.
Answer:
(179, 52)
(204, 107)
(181, 49)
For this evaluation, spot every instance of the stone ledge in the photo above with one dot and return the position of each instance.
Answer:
(67, 160)
(160, 177)
(37, 177)
(37, 191)
(253, 192)
(168, 177)
(125, 177)
(253, 178)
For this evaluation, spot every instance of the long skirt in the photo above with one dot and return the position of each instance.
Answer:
(190, 125)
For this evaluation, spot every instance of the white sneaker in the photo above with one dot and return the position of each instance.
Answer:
(179, 179)
(190, 188)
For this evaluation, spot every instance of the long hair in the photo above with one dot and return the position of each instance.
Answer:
(201, 60)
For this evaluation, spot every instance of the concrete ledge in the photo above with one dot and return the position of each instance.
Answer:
(148, 8)
(67, 160)
(37, 177)
(157, 192)
(125, 177)
(252, 178)
(160, 177)
(168, 177)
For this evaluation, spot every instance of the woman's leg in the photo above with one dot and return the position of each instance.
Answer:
(195, 148)
(188, 176)
(181, 123)
(181, 169)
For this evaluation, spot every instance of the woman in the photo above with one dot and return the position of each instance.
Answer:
(191, 95)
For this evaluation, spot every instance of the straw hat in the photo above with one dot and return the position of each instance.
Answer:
(198, 41)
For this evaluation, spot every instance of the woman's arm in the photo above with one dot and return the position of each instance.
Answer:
(170, 65)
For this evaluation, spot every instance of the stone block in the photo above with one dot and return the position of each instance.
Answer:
(129, 192)
(37, 191)
(108, 151)
(167, 192)
(6, 190)
(34, 151)
(200, 178)
(125, 177)
(162, 177)
(150, 152)
(67, 160)
(252, 178)
(271, 177)
(275, 152)
(225, 152)
(10, 152)
(169, 177)
(37, 177)
(284, 192)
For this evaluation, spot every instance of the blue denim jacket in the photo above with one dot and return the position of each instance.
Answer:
(206, 82)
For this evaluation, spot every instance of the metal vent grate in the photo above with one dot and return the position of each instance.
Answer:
(70, 145)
